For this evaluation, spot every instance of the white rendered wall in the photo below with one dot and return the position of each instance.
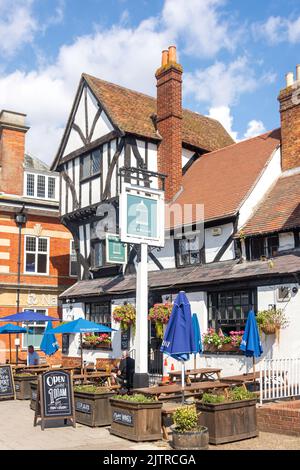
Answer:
(213, 244)
(186, 155)
(165, 256)
(268, 177)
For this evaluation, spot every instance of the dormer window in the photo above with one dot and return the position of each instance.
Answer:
(262, 247)
(189, 252)
(40, 186)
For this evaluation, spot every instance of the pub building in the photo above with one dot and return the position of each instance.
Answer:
(247, 253)
(35, 248)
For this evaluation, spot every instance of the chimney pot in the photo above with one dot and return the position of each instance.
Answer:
(164, 57)
(172, 54)
(289, 79)
(298, 73)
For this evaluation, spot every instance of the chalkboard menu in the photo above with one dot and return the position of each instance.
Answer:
(125, 336)
(55, 398)
(7, 389)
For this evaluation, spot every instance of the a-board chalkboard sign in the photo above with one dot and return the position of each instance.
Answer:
(55, 397)
(7, 388)
(125, 336)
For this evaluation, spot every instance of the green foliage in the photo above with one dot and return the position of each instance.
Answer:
(136, 398)
(239, 393)
(125, 315)
(236, 394)
(186, 418)
(273, 317)
(90, 389)
(211, 398)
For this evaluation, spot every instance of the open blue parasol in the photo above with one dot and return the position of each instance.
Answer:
(10, 329)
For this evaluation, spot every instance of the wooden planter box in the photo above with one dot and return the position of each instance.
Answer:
(33, 394)
(22, 387)
(136, 421)
(229, 422)
(93, 409)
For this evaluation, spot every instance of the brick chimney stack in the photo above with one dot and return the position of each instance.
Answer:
(169, 120)
(12, 149)
(289, 100)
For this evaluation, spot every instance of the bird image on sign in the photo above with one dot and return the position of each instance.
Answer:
(142, 218)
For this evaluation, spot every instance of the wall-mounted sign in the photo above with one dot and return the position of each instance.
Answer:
(142, 215)
(7, 389)
(55, 397)
(116, 251)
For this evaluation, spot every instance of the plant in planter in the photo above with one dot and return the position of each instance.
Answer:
(125, 315)
(92, 406)
(136, 417)
(187, 434)
(229, 418)
(22, 385)
(91, 341)
(271, 321)
(214, 341)
(159, 314)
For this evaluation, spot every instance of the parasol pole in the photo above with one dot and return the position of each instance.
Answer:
(27, 334)
(9, 348)
(81, 353)
(254, 382)
(182, 380)
(195, 362)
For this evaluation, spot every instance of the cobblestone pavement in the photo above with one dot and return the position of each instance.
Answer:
(17, 432)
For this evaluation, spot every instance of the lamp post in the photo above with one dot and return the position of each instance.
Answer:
(20, 219)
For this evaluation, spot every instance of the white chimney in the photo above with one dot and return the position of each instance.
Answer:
(289, 79)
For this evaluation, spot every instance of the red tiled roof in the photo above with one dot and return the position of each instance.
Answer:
(131, 111)
(279, 210)
(221, 180)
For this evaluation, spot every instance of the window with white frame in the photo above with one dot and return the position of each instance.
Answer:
(35, 331)
(36, 255)
(40, 186)
(73, 259)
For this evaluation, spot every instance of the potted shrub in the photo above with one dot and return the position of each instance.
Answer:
(229, 418)
(22, 385)
(92, 406)
(136, 417)
(96, 341)
(271, 321)
(125, 315)
(187, 433)
(159, 314)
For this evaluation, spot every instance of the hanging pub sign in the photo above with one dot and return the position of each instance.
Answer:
(55, 397)
(116, 251)
(7, 388)
(142, 215)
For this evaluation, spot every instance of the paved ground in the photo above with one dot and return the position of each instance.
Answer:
(17, 432)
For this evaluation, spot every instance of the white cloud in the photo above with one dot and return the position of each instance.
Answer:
(17, 25)
(223, 115)
(278, 29)
(254, 128)
(202, 25)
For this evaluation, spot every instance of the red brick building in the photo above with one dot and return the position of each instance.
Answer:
(34, 273)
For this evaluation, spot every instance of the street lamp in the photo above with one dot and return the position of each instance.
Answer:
(20, 219)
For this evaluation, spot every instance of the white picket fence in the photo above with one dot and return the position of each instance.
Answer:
(279, 378)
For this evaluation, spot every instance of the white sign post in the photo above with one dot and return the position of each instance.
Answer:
(142, 223)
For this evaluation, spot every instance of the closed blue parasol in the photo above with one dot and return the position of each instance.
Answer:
(197, 336)
(251, 343)
(9, 329)
(49, 343)
(179, 341)
(80, 326)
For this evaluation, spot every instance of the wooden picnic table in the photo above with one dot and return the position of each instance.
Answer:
(242, 378)
(176, 389)
(208, 373)
(93, 375)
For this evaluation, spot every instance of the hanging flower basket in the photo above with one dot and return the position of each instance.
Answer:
(269, 329)
(271, 321)
(125, 315)
(159, 314)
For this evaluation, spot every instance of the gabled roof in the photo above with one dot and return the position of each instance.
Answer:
(34, 163)
(131, 111)
(222, 179)
(279, 210)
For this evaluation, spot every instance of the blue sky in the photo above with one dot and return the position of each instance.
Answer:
(235, 54)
